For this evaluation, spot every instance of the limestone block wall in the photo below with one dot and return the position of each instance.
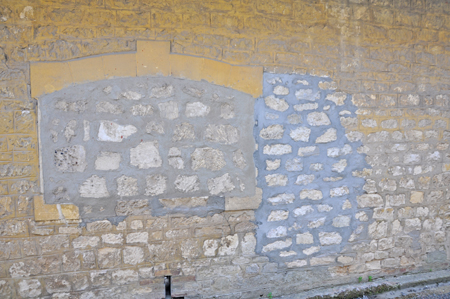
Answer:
(389, 58)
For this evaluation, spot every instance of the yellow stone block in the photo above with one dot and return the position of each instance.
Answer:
(183, 66)
(152, 58)
(87, 69)
(45, 212)
(246, 79)
(119, 65)
(215, 71)
(47, 77)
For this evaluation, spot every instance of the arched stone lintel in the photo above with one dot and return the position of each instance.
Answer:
(151, 58)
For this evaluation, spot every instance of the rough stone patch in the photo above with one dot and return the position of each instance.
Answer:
(185, 183)
(276, 180)
(318, 119)
(303, 211)
(165, 91)
(184, 131)
(272, 132)
(238, 159)
(70, 130)
(94, 187)
(338, 98)
(300, 134)
(330, 135)
(308, 151)
(278, 232)
(327, 239)
(278, 215)
(193, 92)
(311, 194)
(280, 90)
(146, 155)
(207, 157)
(154, 127)
(113, 132)
(156, 184)
(227, 111)
(273, 164)
(132, 95)
(277, 245)
(284, 198)
(304, 179)
(184, 202)
(197, 109)
(220, 184)
(224, 134)
(108, 161)
(277, 149)
(276, 104)
(168, 110)
(305, 238)
(108, 107)
(142, 110)
(229, 245)
(308, 106)
(127, 186)
(175, 159)
(294, 164)
(70, 159)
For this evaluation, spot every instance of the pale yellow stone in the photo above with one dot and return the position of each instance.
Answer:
(47, 77)
(152, 58)
(119, 65)
(87, 69)
(416, 197)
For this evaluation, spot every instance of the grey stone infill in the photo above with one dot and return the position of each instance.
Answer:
(93, 137)
(378, 285)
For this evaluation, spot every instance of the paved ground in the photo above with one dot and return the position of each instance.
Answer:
(433, 291)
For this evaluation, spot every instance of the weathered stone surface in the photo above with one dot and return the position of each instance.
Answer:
(183, 131)
(278, 215)
(168, 110)
(311, 250)
(370, 201)
(145, 155)
(281, 90)
(156, 184)
(70, 130)
(197, 109)
(186, 183)
(108, 107)
(277, 149)
(294, 164)
(70, 159)
(338, 98)
(223, 134)
(244, 203)
(311, 194)
(133, 255)
(238, 159)
(303, 211)
(154, 128)
(94, 187)
(341, 221)
(184, 202)
(220, 184)
(115, 239)
(305, 179)
(272, 132)
(210, 247)
(124, 276)
(132, 95)
(190, 249)
(227, 111)
(207, 157)
(339, 191)
(127, 186)
(273, 164)
(318, 119)
(83, 242)
(164, 91)
(276, 180)
(108, 161)
(78, 106)
(132, 207)
(305, 238)
(108, 257)
(139, 237)
(29, 288)
(308, 151)
(329, 136)
(300, 134)
(228, 245)
(141, 110)
(277, 245)
(284, 198)
(278, 232)
(276, 104)
(327, 239)
(113, 132)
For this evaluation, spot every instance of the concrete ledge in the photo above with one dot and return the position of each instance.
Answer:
(377, 286)
(151, 58)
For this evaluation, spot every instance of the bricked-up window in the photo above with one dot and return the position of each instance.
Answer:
(171, 142)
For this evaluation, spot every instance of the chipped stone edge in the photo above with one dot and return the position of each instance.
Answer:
(151, 58)
(376, 287)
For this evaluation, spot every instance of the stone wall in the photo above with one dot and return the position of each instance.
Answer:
(385, 61)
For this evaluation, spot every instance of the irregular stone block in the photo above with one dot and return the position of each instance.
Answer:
(276, 104)
(113, 132)
(108, 161)
(127, 186)
(305, 238)
(141, 110)
(168, 110)
(276, 180)
(165, 91)
(278, 215)
(94, 187)
(207, 157)
(107, 107)
(302, 211)
(278, 232)
(272, 132)
(154, 127)
(223, 134)
(281, 90)
(132, 95)
(329, 136)
(311, 194)
(69, 131)
(327, 239)
(277, 245)
(300, 134)
(156, 184)
(284, 198)
(238, 159)
(197, 109)
(146, 155)
(183, 131)
(220, 184)
(186, 183)
(277, 149)
(70, 159)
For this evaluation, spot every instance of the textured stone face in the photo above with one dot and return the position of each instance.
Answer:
(145, 155)
(209, 158)
(113, 132)
(70, 159)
